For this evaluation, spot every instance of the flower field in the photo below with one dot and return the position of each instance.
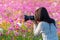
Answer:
(12, 25)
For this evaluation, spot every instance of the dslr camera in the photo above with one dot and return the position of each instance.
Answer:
(28, 17)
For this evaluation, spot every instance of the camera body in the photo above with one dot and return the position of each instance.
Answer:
(28, 17)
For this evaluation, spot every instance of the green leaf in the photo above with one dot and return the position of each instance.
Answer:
(23, 27)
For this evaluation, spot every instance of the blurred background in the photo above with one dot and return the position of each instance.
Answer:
(12, 16)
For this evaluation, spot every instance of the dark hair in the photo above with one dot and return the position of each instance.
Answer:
(41, 14)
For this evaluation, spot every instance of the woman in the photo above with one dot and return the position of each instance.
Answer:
(44, 25)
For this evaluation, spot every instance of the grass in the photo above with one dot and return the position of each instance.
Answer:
(20, 37)
(4, 37)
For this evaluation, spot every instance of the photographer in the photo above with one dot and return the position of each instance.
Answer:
(43, 24)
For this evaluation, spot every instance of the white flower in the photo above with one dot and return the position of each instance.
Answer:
(1, 30)
(19, 24)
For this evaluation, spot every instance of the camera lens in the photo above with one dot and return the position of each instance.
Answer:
(32, 17)
(26, 17)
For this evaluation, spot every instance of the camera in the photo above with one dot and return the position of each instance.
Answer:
(28, 17)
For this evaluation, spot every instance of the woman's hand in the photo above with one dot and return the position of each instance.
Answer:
(37, 22)
(34, 22)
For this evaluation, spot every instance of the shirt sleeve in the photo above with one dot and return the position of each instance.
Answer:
(37, 29)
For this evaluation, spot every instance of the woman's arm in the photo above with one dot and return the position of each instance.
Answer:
(37, 29)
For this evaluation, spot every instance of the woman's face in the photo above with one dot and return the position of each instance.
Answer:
(37, 15)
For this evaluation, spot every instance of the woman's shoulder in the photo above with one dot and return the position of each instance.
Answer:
(43, 23)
